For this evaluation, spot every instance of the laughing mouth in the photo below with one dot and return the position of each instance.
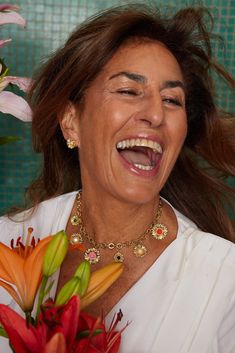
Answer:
(142, 153)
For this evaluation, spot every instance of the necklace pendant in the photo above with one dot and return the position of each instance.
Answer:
(118, 257)
(140, 250)
(74, 220)
(159, 231)
(76, 238)
(92, 255)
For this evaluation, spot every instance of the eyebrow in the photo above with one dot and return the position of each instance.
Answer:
(132, 76)
(142, 79)
(173, 84)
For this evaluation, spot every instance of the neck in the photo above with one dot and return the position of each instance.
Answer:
(111, 220)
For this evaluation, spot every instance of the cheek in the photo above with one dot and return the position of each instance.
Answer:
(179, 129)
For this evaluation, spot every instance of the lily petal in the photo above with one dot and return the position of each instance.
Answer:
(24, 339)
(24, 83)
(5, 274)
(9, 7)
(33, 270)
(55, 345)
(12, 264)
(69, 320)
(11, 291)
(4, 41)
(12, 104)
(12, 17)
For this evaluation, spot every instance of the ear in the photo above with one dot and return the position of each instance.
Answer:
(69, 124)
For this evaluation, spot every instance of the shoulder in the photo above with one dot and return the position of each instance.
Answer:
(46, 218)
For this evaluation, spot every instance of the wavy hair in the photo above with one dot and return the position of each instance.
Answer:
(196, 185)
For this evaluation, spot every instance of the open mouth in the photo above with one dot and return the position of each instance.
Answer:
(143, 154)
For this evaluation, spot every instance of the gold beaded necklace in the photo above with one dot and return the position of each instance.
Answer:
(157, 230)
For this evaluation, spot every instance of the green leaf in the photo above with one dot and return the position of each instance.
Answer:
(86, 333)
(3, 332)
(8, 139)
(4, 70)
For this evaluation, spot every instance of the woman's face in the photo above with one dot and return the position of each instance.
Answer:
(133, 124)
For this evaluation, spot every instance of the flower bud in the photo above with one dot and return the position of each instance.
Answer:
(68, 290)
(83, 272)
(55, 253)
(100, 281)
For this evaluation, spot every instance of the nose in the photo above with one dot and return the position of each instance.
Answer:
(152, 112)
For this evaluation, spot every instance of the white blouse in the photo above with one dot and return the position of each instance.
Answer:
(184, 303)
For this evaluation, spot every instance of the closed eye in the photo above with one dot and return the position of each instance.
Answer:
(128, 92)
(172, 101)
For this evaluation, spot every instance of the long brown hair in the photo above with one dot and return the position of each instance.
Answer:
(196, 185)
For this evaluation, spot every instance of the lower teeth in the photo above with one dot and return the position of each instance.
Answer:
(143, 167)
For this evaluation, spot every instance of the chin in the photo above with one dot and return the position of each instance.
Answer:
(139, 195)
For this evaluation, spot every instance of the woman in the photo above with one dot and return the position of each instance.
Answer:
(131, 95)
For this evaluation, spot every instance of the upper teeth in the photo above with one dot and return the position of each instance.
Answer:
(140, 142)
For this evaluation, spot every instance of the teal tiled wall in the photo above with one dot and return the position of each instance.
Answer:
(49, 23)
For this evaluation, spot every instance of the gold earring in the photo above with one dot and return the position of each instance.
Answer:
(71, 143)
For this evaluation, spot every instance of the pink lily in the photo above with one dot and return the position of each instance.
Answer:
(12, 104)
(24, 83)
(4, 41)
(8, 15)
(9, 7)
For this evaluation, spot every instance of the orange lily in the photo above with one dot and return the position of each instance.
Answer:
(21, 269)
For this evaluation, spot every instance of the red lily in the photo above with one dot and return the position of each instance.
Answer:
(60, 321)
(56, 344)
(103, 342)
(59, 330)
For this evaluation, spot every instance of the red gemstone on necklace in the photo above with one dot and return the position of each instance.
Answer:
(159, 231)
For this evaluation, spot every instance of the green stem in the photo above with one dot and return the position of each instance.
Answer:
(41, 295)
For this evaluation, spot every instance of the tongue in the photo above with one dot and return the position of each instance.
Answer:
(134, 157)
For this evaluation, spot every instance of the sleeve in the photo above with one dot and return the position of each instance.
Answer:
(9, 229)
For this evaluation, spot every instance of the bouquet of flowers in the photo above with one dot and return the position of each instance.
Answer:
(59, 325)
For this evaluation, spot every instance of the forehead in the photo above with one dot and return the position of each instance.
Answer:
(149, 58)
